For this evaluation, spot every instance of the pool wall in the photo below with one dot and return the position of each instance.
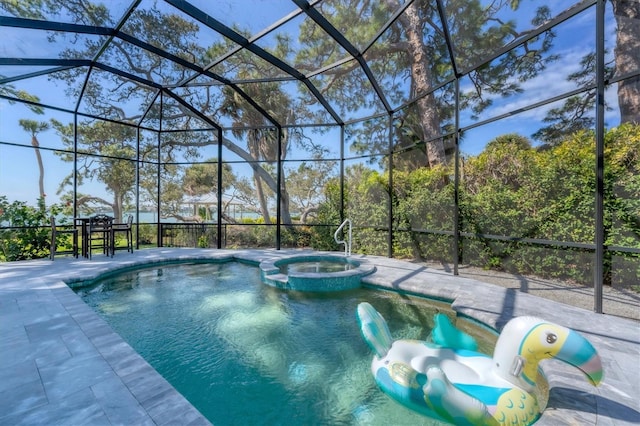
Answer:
(62, 364)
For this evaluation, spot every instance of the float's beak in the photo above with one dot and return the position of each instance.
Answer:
(580, 353)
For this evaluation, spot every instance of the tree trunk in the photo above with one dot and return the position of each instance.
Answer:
(36, 145)
(627, 52)
(253, 144)
(284, 205)
(421, 74)
(117, 208)
(285, 213)
(264, 208)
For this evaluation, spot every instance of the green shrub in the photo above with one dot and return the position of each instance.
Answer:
(33, 239)
(510, 190)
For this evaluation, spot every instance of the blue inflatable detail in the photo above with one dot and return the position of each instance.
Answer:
(444, 333)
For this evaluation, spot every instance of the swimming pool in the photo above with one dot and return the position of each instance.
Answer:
(247, 353)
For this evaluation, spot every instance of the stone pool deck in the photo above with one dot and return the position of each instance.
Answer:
(61, 364)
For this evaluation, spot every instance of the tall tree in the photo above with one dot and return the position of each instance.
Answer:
(31, 126)
(306, 185)
(202, 178)
(423, 82)
(627, 14)
(262, 139)
(115, 168)
(415, 49)
(35, 127)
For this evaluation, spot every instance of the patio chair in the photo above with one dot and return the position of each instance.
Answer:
(100, 234)
(58, 230)
(126, 228)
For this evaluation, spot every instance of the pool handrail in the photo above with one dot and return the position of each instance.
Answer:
(347, 244)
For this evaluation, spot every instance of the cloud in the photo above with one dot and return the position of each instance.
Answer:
(552, 82)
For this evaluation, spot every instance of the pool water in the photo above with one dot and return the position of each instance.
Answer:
(324, 267)
(246, 353)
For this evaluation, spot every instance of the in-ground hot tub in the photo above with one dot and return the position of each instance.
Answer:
(315, 272)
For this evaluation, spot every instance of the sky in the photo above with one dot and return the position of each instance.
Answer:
(18, 167)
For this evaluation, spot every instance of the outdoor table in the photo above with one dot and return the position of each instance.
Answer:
(83, 222)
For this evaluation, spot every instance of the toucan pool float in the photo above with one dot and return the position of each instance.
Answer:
(447, 379)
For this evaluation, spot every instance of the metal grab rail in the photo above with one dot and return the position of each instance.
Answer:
(347, 244)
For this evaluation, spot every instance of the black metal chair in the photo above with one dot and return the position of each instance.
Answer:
(125, 228)
(100, 234)
(59, 230)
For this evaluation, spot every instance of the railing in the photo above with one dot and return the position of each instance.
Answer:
(347, 244)
(187, 235)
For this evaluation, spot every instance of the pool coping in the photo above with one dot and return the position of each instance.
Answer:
(62, 364)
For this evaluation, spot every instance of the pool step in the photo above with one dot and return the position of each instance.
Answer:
(276, 280)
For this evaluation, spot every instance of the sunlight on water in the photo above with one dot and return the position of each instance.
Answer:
(246, 353)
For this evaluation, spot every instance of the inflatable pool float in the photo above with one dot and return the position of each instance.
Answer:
(448, 380)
